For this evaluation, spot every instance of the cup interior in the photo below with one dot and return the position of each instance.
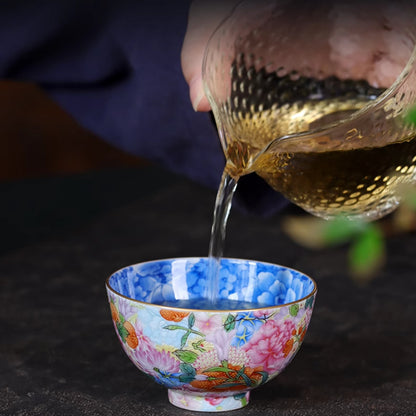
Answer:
(175, 282)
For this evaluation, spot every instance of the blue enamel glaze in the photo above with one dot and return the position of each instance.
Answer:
(164, 281)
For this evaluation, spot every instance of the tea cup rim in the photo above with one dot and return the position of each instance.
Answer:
(177, 308)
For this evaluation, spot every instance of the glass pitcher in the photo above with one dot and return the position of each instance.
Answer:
(313, 97)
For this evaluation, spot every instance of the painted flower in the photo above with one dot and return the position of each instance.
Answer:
(229, 377)
(184, 400)
(267, 346)
(288, 346)
(297, 337)
(195, 278)
(246, 324)
(207, 323)
(114, 312)
(130, 336)
(214, 401)
(167, 379)
(264, 314)
(207, 359)
(228, 371)
(153, 278)
(172, 315)
(162, 365)
(301, 333)
(144, 343)
(124, 329)
(156, 291)
(131, 333)
(126, 309)
(123, 311)
(221, 340)
(221, 345)
(227, 283)
(237, 357)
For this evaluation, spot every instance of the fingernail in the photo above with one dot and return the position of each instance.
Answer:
(197, 100)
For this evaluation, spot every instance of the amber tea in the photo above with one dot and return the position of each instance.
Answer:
(326, 179)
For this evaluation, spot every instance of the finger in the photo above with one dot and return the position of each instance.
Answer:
(204, 18)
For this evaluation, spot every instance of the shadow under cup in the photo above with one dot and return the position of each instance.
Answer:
(210, 357)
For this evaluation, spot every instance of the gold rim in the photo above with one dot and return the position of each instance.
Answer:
(110, 289)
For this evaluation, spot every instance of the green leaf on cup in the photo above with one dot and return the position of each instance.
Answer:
(264, 376)
(187, 369)
(174, 327)
(122, 331)
(229, 323)
(191, 320)
(294, 309)
(184, 338)
(186, 356)
(198, 345)
(309, 302)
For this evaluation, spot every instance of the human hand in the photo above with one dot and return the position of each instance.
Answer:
(204, 18)
(379, 54)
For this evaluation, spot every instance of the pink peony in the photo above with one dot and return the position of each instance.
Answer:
(263, 313)
(126, 309)
(151, 358)
(206, 323)
(144, 343)
(221, 341)
(266, 347)
(214, 401)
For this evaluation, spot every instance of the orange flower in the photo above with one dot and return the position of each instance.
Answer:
(131, 338)
(208, 384)
(288, 347)
(114, 312)
(174, 316)
(302, 333)
(216, 378)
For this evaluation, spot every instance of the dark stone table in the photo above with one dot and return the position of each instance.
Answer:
(59, 355)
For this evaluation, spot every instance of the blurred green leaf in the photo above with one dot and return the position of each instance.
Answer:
(410, 117)
(341, 230)
(410, 198)
(367, 252)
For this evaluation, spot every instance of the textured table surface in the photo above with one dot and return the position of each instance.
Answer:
(58, 351)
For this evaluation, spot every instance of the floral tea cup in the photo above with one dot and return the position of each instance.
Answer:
(210, 359)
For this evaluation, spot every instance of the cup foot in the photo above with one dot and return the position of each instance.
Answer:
(207, 402)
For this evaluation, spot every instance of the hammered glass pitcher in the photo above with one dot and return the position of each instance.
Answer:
(313, 97)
